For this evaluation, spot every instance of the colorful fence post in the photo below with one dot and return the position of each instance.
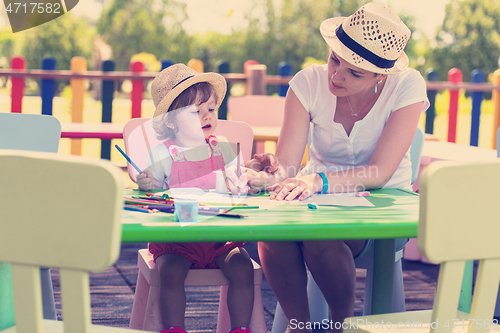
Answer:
(17, 91)
(78, 64)
(137, 90)
(430, 114)
(477, 98)
(496, 107)
(256, 80)
(108, 89)
(454, 76)
(223, 67)
(166, 63)
(247, 64)
(284, 69)
(196, 64)
(48, 86)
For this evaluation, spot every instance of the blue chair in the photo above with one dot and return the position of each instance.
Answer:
(41, 133)
(318, 308)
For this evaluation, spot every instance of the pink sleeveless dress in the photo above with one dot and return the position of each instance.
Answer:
(194, 174)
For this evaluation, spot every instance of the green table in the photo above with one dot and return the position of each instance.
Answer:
(395, 215)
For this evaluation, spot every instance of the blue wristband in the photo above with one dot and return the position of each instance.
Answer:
(325, 182)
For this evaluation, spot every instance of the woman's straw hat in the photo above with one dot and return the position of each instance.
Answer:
(173, 80)
(373, 39)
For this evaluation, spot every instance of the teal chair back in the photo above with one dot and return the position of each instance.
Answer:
(417, 146)
(34, 132)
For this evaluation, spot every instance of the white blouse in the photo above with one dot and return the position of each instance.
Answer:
(331, 149)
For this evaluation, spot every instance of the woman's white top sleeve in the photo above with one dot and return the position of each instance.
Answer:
(331, 149)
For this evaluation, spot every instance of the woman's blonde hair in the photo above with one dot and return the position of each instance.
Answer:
(165, 125)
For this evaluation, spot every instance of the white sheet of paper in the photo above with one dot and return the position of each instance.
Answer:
(222, 199)
(335, 199)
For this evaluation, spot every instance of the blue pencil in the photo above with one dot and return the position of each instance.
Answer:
(128, 159)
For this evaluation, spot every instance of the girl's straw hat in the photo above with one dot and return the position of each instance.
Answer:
(173, 80)
(373, 39)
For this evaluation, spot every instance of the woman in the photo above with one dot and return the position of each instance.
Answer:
(364, 106)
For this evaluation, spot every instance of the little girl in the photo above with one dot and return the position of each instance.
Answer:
(186, 117)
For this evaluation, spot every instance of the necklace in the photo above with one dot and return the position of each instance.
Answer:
(355, 114)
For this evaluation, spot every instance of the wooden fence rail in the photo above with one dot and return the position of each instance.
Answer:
(255, 79)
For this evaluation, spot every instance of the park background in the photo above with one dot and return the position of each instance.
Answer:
(463, 34)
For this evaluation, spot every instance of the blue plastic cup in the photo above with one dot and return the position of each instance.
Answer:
(186, 210)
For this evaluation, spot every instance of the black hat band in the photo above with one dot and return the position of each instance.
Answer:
(362, 51)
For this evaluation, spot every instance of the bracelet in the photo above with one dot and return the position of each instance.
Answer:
(325, 182)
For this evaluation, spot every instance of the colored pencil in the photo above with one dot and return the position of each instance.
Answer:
(148, 202)
(242, 207)
(149, 198)
(238, 170)
(136, 209)
(128, 159)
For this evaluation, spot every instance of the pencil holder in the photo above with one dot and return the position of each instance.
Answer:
(220, 182)
(186, 210)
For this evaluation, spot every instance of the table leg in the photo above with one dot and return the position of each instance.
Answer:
(383, 275)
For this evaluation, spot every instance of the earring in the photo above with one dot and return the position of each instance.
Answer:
(376, 85)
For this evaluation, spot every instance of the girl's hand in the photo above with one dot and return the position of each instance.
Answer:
(145, 180)
(264, 162)
(299, 187)
(236, 185)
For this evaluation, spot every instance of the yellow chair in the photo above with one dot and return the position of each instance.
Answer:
(458, 222)
(58, 211)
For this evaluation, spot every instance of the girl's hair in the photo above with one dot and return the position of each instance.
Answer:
(198, 93)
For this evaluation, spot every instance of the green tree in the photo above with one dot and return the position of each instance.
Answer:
(289, 31)
(468, 39)
(7, 46)
(135, 26)
(63, 38)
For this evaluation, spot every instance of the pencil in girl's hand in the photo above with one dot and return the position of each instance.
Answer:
(128, 159)
(238, 170)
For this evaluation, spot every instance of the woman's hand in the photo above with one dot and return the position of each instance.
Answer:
(263, 171)
(258, 181)
(298, 187)
(264, 162)
(145, 180)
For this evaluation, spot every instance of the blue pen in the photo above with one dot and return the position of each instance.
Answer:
(128, 159)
